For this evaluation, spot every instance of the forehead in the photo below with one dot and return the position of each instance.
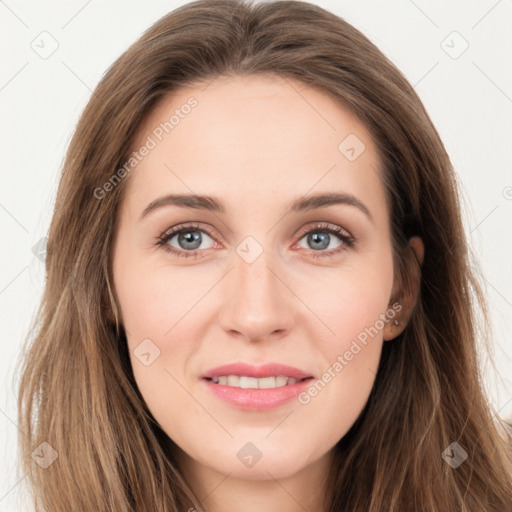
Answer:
(254, 138)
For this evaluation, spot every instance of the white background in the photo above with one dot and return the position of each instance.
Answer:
(469, 99)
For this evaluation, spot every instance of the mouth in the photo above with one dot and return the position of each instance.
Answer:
(256, 399)
(256, 388)
(247, 382)
(274, 370)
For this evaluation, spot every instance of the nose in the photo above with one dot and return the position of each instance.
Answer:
(258, 303)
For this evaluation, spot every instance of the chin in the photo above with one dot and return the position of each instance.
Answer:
(261, 460)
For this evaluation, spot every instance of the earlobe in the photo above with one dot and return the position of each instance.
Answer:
(394, 327)
(397, 325)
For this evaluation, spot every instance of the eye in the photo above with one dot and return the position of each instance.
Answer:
(320, 237)
(188, 240)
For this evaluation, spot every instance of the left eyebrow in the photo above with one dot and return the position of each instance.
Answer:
(317, 201)
(213, 204)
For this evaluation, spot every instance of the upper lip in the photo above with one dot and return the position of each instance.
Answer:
(266, 370)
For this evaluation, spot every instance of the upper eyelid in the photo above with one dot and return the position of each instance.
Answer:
(323, 225)
(175, 230)
(319, 225)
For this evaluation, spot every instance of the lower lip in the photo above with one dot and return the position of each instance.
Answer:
(257, 399)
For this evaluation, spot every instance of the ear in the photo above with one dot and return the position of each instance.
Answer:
(111, 312)
(110, 307)
(110, 315)
(408, 289)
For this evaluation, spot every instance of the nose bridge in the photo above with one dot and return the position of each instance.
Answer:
(259, 303)
(255, 280)
(252, 268)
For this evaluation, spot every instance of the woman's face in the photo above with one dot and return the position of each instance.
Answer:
(256, 276)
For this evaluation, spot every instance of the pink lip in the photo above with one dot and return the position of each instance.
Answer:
(257, 399)
(266, 370)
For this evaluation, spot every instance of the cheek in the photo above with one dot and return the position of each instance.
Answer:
(153, 299)
(163, 314)
(351, 305)
(347, 300)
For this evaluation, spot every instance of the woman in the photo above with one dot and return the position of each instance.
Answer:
(320, 352)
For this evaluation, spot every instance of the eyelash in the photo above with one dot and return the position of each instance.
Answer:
(348, 241)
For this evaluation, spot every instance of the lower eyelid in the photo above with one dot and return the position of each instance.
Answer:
(347, 241)
(165, 239)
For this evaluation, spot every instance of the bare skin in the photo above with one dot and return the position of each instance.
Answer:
(257, 144)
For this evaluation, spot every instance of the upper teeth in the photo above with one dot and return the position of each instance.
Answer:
(253, 382)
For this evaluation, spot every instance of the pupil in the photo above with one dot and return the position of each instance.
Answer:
(323, 238)
(190, 237)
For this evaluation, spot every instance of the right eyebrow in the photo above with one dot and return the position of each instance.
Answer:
(185, 201)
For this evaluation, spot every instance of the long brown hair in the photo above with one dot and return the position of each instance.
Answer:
(77, 391)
